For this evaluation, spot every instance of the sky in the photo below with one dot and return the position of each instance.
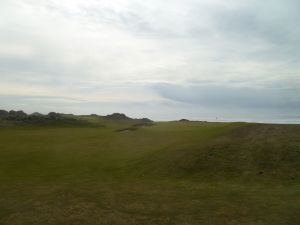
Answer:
(197, 59)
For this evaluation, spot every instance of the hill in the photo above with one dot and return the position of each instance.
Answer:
(256, 150)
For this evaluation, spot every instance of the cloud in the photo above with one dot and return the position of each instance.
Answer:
(242, 54)
(232, 97)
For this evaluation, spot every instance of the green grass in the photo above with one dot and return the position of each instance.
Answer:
(167, 173)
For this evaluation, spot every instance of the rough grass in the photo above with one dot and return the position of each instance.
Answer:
(168, 173)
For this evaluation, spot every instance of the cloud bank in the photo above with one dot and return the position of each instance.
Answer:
(163, 59)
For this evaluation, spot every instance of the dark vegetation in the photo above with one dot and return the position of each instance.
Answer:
(10, 118)
(183, 172)
(20, 118)
(184, 120)
(123, 117)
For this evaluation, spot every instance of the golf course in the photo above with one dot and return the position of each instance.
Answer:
(95, 170)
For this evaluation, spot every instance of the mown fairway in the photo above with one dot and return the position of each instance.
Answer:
(168, 173)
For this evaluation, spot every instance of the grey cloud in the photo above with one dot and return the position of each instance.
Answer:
(272, 25)
(216, 96)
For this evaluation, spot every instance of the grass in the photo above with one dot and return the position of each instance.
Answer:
(167, 173)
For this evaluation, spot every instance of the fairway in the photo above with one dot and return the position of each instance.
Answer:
(164, 173)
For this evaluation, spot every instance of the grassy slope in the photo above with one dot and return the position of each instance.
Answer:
(168, 173)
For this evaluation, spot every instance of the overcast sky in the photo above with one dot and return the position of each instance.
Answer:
(171, 59)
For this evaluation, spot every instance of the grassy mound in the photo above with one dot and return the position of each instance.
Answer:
(246, 150)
